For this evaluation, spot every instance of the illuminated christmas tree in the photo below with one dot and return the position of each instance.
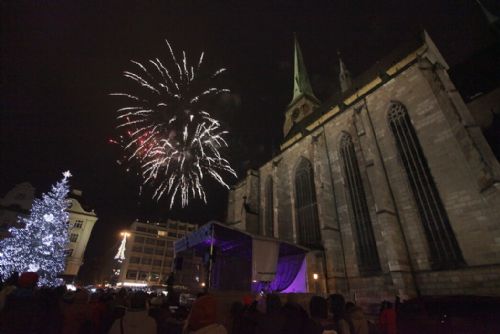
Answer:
(40, 245)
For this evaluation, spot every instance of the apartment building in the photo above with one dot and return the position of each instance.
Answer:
(149, 252)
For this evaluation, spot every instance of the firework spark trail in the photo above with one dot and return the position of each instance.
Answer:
(167, 131)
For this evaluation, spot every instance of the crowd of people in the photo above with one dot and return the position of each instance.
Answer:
(27, 309)
(330, 315)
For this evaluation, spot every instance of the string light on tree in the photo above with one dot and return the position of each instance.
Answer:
(39, 246)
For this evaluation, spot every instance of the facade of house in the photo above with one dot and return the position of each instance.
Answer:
(149, 253)
(390, 184)
(81, 222)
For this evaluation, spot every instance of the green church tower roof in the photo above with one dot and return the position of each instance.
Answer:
(492, 19)
(301, 83)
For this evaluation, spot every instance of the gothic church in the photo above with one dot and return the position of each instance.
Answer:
(391, 184)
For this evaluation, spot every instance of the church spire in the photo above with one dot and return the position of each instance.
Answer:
(303, 102)
(344, 76)
(490, 17)
(301, 84)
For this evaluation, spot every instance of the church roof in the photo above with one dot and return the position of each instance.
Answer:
(490, 17)
(364, 82)
(77, 195)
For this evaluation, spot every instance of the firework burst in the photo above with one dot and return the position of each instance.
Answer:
(167, 130)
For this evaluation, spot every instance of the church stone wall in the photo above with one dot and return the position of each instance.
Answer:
(235, 211)
(266, 171)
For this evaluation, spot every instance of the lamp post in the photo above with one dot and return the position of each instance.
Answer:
(315, 277)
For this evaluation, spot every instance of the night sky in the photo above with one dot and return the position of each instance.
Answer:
(61, 59)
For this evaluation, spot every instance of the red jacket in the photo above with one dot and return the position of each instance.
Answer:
(387, 321)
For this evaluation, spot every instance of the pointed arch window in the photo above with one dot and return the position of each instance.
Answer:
(306, 207)
(366, 249)
(269, 213)
(444, 249)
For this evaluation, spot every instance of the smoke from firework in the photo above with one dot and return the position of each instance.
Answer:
(167, 130)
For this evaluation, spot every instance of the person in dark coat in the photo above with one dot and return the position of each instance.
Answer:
(319, 322)
(273, 320)
(296, 319)
(337, 307)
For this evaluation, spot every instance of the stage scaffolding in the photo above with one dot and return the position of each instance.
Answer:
(235, 260)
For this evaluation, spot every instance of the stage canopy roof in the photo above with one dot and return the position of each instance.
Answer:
(228, 238)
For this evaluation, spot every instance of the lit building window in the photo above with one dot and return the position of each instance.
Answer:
(143, 275)
(73, 237)
(366, 248)
(444, 249)
(162, 233)
(132, 274)
(78, 223)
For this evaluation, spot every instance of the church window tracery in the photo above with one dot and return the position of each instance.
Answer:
(366, 248)
(306, 206)
(269, 216)
(444, 248)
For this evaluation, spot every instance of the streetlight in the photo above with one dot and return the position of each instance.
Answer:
(125, 234)
(315, 277)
